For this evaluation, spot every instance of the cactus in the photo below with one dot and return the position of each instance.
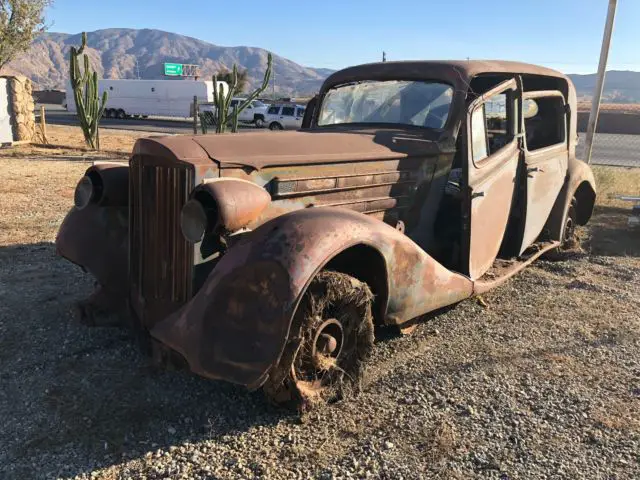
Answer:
(222, 101)
(85, 92)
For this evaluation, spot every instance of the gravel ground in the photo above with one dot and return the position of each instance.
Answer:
(541, 379)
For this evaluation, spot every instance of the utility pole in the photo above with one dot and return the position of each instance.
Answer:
(384, 56)
(602, 67)
(137, 69)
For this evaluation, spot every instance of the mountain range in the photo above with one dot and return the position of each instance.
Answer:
(131, 53)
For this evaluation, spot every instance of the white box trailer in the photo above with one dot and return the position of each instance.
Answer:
(163, 98)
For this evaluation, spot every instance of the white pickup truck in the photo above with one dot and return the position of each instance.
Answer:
(255, 112)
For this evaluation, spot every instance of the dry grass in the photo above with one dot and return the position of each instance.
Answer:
(616, 181)
(67, 141)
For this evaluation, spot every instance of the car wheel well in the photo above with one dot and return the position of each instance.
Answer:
(585, 199)
(367, 265)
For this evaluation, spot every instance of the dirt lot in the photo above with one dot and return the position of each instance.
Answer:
(541, 381)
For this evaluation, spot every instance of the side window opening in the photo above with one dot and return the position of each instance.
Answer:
(491, 126)
(544, 122)
(288, 111)
(273, 110)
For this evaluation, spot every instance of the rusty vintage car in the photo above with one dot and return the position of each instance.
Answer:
(268, 259)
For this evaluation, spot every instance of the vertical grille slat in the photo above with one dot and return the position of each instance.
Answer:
(161, 260)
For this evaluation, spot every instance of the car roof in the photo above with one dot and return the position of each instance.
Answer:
(455, 72)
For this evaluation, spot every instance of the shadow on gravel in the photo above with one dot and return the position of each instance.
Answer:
(610, 235)
(87, 396)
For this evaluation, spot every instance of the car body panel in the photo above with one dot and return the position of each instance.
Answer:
(236, 325)
(226, 307)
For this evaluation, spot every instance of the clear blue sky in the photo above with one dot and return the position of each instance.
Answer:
(562, 34)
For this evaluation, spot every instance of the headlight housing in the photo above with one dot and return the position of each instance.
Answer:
(89, 189)
(222, 205)
(196, 220)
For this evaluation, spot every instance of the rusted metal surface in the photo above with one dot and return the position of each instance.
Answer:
(224, 335)
(287, 205)
(96, 238)
(237, 202)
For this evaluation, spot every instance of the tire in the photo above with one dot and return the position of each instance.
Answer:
(330, 340)
(275, 126)
(570, 239)
(120, 114)
(259, 122)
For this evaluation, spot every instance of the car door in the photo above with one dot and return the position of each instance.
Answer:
(287, 117)
(247, 114)
(299, 117)
(546, 157)
(492, 162)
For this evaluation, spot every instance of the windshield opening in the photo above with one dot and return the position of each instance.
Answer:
(417, 103)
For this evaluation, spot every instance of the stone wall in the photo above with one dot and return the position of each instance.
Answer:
(20, 100)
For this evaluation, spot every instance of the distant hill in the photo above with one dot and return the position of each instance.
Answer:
(620, 86)
(114, 53)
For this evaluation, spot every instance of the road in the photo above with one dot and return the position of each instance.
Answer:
(613, 149)
(608, 149)
(56, 115)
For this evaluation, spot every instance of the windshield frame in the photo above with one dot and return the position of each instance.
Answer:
(392, 125)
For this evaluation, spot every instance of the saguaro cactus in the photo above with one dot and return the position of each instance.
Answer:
(85, 93)
(222, 100)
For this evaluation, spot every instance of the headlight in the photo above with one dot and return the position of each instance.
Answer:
(84, 193)
(194, 221)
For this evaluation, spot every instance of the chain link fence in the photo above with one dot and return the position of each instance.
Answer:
(622, 150)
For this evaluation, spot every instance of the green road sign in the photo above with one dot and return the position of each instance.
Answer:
(173, 69)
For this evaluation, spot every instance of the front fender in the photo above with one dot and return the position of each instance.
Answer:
(235, 328)
(96, 238)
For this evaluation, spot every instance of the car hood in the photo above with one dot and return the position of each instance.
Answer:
(259, 150)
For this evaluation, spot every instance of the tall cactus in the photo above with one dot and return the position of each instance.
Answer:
(85, 93)
(222, 100)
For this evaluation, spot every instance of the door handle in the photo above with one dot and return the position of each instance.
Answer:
(477, 194)
(534, 169)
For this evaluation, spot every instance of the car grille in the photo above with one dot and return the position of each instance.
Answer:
(160, 259)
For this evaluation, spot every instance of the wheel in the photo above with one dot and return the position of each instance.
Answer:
(120, 114)
(570, 239)
(331, 338)
(275, 126)
(259, 122)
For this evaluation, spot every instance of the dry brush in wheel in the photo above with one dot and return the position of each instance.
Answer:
(331, 338)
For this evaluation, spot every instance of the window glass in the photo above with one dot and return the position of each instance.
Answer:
(423, 104)
(300, 112)
(478, 134)
(233, 103)
(497, 124)
(544, 122)
(288, 111)
(491, 126)
(273, 110)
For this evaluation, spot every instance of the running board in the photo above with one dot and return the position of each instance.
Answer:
(503, 270)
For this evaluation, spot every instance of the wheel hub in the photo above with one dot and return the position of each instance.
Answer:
(328, 339)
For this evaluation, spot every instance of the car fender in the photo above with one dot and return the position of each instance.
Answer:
(236, 326)
(96, 238)
(578, 182)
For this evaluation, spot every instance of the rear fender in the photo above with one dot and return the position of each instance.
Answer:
(235, 328)
(579, 183)
(96, 238)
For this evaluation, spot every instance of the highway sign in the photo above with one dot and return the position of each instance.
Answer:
(173, 69)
